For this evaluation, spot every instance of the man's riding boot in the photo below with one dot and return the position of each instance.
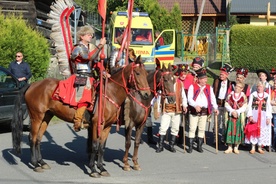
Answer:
(78, 118)
(180, 136)
(190, 149)
(199, 145)
(172, 149)
(150, 136)
(160, 144)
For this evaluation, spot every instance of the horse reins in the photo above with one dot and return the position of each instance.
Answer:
(155, 86)
(131, 78)
(161, 84)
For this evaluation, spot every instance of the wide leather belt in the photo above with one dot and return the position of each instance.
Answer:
(203, 112)
(170, 108)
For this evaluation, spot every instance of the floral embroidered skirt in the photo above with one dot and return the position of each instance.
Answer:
(234, 131)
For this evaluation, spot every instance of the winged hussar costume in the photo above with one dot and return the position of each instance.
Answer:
(75, 62)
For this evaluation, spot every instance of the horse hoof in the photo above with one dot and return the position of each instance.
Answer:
(137, 168)
(95, 175)
(38, 169)
(105, 173)
(126, 168)
(45, 166)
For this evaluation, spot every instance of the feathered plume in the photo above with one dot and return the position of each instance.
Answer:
(61, 33)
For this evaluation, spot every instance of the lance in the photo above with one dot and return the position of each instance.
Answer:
(127, 33)
(102, 12)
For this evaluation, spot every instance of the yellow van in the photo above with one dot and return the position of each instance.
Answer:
(143, 41)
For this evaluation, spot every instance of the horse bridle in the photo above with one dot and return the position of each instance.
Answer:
(131, 79)
(161, 84)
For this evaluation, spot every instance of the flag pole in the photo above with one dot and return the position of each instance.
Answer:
(127, 33)
(102, 12)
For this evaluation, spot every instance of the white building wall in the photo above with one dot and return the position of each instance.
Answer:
(255, 20)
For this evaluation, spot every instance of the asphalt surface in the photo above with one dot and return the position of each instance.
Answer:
(65, 151)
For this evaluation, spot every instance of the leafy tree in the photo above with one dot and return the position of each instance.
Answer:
(88, 5)
(15, 36)
(233, 20)
(161, 18)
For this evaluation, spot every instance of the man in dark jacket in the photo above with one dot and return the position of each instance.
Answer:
(20, 69)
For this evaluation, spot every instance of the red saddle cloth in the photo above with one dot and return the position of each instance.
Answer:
(66, 93)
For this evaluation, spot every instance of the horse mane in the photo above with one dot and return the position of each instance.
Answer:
(115, 70)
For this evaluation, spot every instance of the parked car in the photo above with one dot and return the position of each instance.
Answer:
(9, 88)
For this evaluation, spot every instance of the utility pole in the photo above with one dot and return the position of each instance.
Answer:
(267, 16)
(198, 24)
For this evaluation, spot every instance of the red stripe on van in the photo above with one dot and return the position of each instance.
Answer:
(165, 58)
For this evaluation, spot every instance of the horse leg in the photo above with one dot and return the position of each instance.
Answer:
(43, 128)
(89, 142)
(103, 171)
(139, 131)
(33, 149)
(93, 150)
(128, 131)
(101, 150)
(35, 136)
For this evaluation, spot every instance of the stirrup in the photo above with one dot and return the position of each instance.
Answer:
(84, 125)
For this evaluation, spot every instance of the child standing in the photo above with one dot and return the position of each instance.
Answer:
(235, 104)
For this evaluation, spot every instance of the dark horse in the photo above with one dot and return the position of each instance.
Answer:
(42, 107)
(137, 109)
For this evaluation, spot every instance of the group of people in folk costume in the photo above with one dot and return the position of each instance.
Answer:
(245, 114)
(190, 89)
(249, 114)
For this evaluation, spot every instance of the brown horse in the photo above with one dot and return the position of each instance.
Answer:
(42, 108)
(137, 109)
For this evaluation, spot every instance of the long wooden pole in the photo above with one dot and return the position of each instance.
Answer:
(184, 137)
(102, 57)
(198, 24)
(216, 129)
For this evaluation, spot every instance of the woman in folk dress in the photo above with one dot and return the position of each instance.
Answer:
(258, 128)
(235, 104)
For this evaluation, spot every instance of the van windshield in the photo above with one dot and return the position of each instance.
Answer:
(139, 36)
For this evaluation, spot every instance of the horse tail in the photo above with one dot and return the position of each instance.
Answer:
(17, 120)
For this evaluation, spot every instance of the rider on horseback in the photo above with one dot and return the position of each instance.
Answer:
(84, 59)
(116, 61)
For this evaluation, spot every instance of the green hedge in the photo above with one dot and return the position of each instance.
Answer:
(15, 36)
(253, 46)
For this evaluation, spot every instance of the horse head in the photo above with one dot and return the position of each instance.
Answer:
(136, 76)
(167, 81)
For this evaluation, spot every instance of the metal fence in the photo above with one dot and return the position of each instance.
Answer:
(212, 47)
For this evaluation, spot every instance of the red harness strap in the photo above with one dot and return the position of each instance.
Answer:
(142, 105)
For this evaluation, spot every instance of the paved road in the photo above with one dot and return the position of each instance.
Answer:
(64, 151)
